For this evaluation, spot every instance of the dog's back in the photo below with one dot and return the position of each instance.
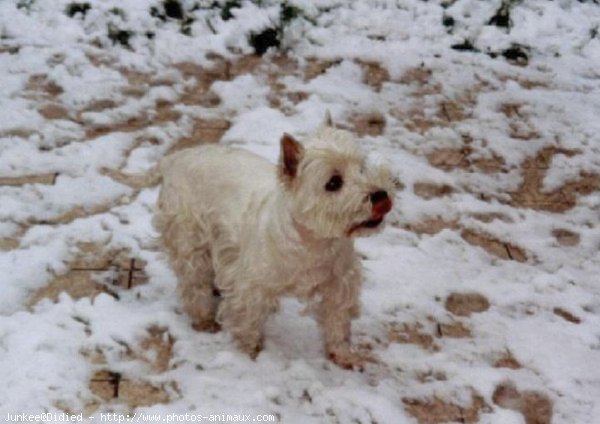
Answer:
(215, 179)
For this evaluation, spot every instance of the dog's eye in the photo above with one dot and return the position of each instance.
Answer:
(335, 183)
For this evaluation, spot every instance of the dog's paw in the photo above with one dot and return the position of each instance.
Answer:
(351, 359)
(255, 351)
(250, 348)
(207, 326)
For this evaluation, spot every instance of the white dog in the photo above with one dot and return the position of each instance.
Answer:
(241, 233)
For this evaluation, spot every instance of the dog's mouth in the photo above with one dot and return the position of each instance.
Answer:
(379, 209)
(369, 223)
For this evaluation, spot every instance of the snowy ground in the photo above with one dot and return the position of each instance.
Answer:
(481, 298)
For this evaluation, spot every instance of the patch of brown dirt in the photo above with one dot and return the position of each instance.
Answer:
(163, 113)
(17, 133)
(535, 407)
(435, 410)
(491, 165)
(566, 315)
(502, 250)
(94, 356)
(244, 65)
(431, 190)
(200, 93)
(95, 256)
(296, 96)
(455, 330)
(75, 213)
(131, 124)
(205, 76)
(40, 87)
(53, 111)
(8, 243)
(415, 120)
(431, 226)
(449, 159)
(135, 78)
(282, 100)
(107, 386)
(411, 333)
(420, 76)
(520, 126)
(530, 194)
(284, 64)
(525, 82)
(315, 67)
(100, 105)
(586, 184)
(511, 110)
(374, 74)
(12, 241)
(223, 69)
(372, 124)
(451, 111)
(128, 271)
(157, 349)
(47, 179)
(507, 361)
(488, 217)
(204, 131)
(77, 284)
(136, 393)
(464, 304)
(82, 279)
(113, 387)
(104, 384)
(565, 237)
(199, 97)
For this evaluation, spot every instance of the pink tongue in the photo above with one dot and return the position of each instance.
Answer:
(381, 208)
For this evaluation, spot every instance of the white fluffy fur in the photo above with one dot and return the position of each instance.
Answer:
(233, 222)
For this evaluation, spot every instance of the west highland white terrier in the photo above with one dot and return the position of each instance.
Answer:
(241, 233)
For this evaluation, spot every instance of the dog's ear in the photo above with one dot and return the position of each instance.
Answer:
(290, 155)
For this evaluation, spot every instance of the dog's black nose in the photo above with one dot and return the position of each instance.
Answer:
(378, 196)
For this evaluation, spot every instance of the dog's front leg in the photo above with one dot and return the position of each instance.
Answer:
(244, 313)
(339, 306)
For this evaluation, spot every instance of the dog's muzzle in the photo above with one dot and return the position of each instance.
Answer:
(380, 206)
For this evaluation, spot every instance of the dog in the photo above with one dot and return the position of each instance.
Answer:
(241, 233)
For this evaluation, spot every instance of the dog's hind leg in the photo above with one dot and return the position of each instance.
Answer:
(190, 258)
(197, 294)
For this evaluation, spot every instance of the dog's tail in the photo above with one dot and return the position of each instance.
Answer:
(150, 178)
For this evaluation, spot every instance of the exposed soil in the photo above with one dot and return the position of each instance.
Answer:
(535, 407)
(464, 304)
(411, 333)
(530, 193)
(502, 250)
(435, 410)
(94, 270)
(372, 124)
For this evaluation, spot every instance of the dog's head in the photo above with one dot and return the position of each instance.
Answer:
(331, 187)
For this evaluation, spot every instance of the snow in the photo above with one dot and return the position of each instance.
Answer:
(408, 275)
